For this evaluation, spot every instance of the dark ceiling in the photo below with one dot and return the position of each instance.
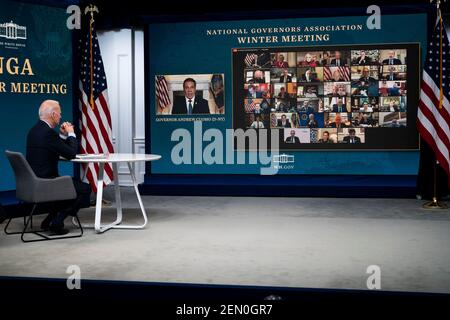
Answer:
(134, 12)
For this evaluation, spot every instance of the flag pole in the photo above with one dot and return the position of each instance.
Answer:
(91, 9)
(435, 204)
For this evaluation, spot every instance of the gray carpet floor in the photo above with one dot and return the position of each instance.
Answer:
(288, 242)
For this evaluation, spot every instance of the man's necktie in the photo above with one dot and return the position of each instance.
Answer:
(338, 63)
(190, 107)
(390, 61)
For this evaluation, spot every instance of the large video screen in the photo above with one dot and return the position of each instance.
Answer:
(345, 97)
(308, 95)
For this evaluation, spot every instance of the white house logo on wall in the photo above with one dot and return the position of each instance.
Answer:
(10, 30)
(12, 35)
(283, 158)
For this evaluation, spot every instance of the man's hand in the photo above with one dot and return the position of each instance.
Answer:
(66, 128)
(62, 129)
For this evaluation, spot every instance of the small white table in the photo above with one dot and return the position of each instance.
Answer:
(114, 159)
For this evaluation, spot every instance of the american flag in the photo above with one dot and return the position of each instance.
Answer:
(344, 73)
(314, 135)
(95, 118)
(273, 120)
(433, 116)
(250, 106)
(250, 59)
(162, 92)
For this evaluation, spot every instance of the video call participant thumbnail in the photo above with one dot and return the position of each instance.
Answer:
(339, 106)
(326, 138)
(362, 59)
(285, 77)
(351, 138)
(190, 103)
(338, 61)
(292, 138)
(283, 122)
(280, 63)
(392, 60)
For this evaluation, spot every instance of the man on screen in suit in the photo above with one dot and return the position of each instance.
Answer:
(339, 106)
(392, 60)
(312, 122)
(292, 138)
(285, 77)
(190, 103)
(393, 75)
(363, 60)
(365, 76)
(351, 138)
(306, 107)
(309, 76)
(337, 61)
(44, 147)
(283, 122)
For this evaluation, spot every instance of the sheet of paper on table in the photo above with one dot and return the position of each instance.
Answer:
(91, 156)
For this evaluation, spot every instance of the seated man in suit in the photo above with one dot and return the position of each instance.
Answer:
(363, 59)
(392, 75)
(283, 94)
(339, 106)
(190, 103)
(44, 147)
(292, 138)
(391, 60)
(337, 61)
(351, 138)
(365, 76)
(312, 122)
(283, 122)
(310, 76)
(306, 107)
(285, 77)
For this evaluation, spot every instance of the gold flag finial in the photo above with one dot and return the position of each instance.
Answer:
(91, 9)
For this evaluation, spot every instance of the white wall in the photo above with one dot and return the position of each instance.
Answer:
(123, 58)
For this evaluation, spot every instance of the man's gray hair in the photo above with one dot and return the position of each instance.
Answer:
(47, 107)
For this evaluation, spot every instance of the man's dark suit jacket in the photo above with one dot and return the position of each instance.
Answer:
(280, 123)
(367, 61)
(312, 124)
(336, 108)
(342, 62)
(289, 140)
(394, 61)
(44, 147)
(288, 78)
(200, 105)
(347, 139)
